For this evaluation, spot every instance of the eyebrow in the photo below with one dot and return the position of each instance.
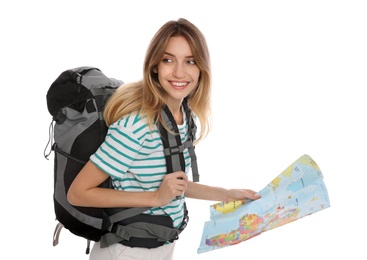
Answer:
(170, 54)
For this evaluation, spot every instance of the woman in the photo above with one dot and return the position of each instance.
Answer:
(176, 67)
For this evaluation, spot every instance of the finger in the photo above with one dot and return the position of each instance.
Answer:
(252, 195)
(181, 175)
(174, 176)
(181, 185)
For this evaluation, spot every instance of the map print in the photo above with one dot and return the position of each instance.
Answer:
(297, 192)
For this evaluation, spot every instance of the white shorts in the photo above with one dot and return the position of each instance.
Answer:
(118, 251)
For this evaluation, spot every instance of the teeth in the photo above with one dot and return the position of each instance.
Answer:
(179, 84)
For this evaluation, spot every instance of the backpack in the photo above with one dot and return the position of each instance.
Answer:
(76, 100)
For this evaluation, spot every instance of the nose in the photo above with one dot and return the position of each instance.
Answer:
(179, 70)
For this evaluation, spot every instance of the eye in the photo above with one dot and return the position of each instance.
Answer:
(191, 62)
(167, 60)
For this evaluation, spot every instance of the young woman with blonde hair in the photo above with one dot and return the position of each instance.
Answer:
(176, 70)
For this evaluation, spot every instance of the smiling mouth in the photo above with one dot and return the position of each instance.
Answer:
(177, 84)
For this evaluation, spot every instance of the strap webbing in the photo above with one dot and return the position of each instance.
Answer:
(172, 143)
(127, 213)
(57, 232)
(139, 230)
(173, 150)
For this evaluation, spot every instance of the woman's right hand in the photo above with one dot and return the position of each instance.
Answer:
(173, 185)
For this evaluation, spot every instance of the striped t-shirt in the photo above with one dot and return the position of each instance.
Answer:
(133, 156)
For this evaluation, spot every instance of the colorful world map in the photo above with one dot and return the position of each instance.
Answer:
(297, 192)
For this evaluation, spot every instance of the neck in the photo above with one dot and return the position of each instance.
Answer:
(176, 113)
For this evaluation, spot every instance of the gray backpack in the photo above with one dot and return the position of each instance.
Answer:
(76, 100)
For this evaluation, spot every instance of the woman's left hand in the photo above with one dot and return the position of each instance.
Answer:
(242, 195)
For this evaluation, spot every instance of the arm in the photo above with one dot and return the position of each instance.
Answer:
(84, 191)
(205, 192)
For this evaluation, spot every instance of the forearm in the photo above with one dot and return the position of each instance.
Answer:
(205, 192)
(111, 198)
(84, 192)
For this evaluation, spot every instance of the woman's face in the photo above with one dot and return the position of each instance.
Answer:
(178, 73)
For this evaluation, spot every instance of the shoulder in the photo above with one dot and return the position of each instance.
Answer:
(132, 126)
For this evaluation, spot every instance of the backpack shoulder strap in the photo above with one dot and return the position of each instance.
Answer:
(192, 137)
(173, 147)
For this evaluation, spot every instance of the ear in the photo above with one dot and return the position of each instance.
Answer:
(155, 69)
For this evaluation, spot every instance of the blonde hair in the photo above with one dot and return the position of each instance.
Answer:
(147, 97)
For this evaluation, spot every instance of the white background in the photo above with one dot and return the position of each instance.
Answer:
(289, 78)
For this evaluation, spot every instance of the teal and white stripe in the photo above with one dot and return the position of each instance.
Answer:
(133, 156)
